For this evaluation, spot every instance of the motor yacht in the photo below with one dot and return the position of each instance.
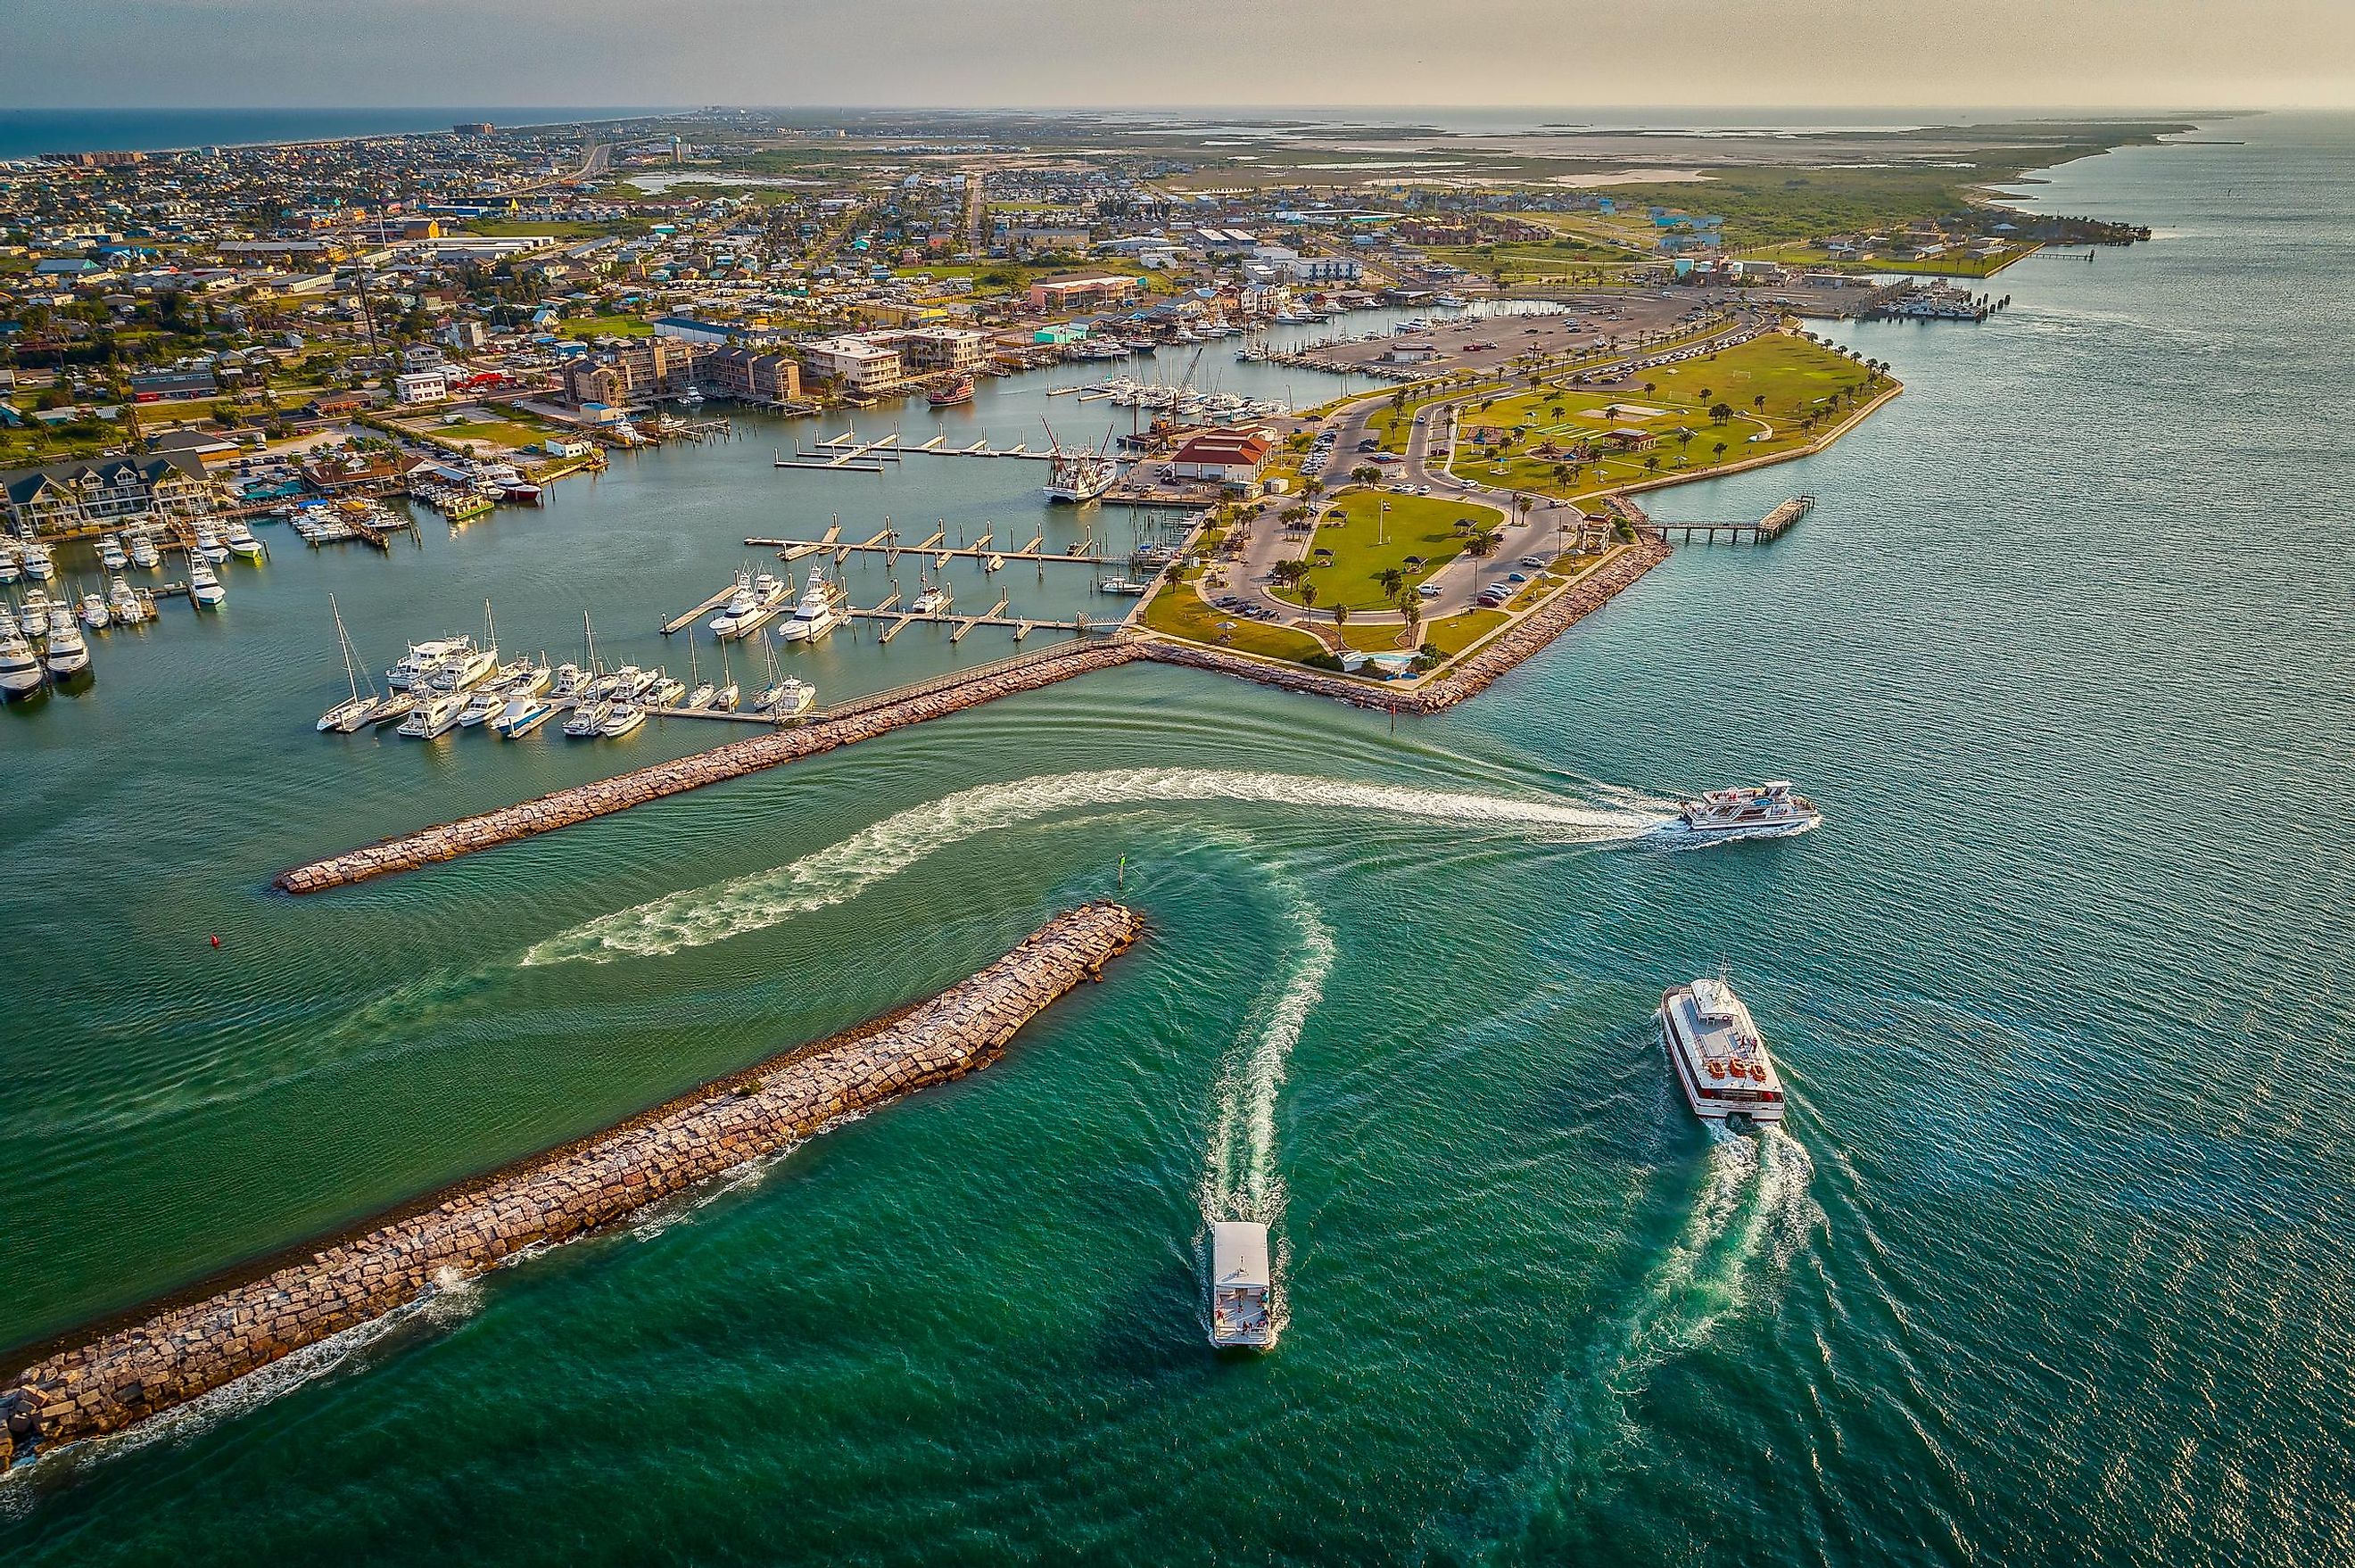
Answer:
(933, 601)
(39, 565)
(208, 545)
(587, 721)
(124, 604)
(417, 667)
(1764, 810)
(568, 679)
(464, 671)
(11, 567)
(66, 653)
(665, 691)
(20, 669)
(436, 713)
(1720, 1061)
(144, 553)
(94, 614)
(621, 718)
(242, 542)
(203, 586)
(109, 553)
(816, 614)
(788, 699)
(483, 703)
(522, 715)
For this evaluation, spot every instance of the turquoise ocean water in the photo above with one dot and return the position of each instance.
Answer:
(2047, 1268)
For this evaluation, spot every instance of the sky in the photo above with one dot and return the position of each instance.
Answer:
(2138, 54)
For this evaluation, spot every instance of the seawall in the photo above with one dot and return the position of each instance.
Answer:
(182, 1350)
(853, 721)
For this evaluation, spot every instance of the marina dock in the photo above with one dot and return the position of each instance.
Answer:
(175, 1350)
(1766, 531)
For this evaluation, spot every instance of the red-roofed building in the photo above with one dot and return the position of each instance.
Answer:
(1230, 456)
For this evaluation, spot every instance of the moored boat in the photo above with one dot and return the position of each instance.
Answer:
(20, 669)
(436, 713)
(203, 586)
(1720, 1061)
(66, 653)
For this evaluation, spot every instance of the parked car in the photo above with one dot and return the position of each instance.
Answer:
(1429, 591)
(1517, 577)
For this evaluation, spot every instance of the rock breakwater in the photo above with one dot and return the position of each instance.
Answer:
(174, 1355)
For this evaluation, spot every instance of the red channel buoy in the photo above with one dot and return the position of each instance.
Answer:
(216, 941)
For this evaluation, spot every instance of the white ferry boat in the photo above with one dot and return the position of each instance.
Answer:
(1720, 1061)
(1765, 808)
(816, 615)
(1239, 1286)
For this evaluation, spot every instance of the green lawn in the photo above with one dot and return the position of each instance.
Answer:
(1452, 635)
(1180, 612)
(1954, 264)
(605, 326)
(1799, 380)
(509, 227)
(501, 433)
(1365, 543)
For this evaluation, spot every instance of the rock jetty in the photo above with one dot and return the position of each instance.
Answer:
(842, 726)
(181, 1352)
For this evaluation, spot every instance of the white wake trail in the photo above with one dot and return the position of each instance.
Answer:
(696, 916)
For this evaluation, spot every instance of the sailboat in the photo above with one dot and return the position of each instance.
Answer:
(702, 691)
(356, 711)
(724, 700)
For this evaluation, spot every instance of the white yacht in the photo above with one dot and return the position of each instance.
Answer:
(621, 718)
(38, 564)
(203, 586)
(356, 709)
(208, 545)
(666, 690)
(109, 553)
(416, 667)
(11, 567)
(631, 683)
(587, 719)
(483, 703)
(569, 678)
(1720, 1061)
(817, 614)
(94, 614)
(242, 542)
(144, 552)
(461, 672)
(20, 671)
(436, 713)
(1763, 809)
(1240, 1282)
(933, 601)
(67, 654)
(124, 603)
(788, 699)
(522, 715)
(756, 600)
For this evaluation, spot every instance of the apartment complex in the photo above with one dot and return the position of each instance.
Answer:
(107, 492)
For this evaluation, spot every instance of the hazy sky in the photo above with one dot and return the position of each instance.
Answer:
(1553, 53)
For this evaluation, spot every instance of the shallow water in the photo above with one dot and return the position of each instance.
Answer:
(2044, 1268)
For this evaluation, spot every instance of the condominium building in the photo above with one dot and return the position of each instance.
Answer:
(108, 492)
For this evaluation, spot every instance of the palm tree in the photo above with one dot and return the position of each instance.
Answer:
(1308, 597)
(1525, 501)
(1391, 580)
(1340, 626)
(1759, 401)
(1652, 464)
(1720, 450)
(1410, 605)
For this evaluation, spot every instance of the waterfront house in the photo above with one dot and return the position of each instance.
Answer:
(108, 492)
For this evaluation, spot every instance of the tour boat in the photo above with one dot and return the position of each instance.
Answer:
(1721, 1061)
(957, 391)
(20, 671)
(621, 718)
(788, 699)
(242, 542)
(1240, 1282)
(144, 552)
(816, 615)
(203, 586)
(587, 721)
(436, 714)
(1765, 808)
(94, 613)
(38, 564)
(109, 553)
(66, 653)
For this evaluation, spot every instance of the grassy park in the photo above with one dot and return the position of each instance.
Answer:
(1774, 393)
(1181, 612)
(1365, 542)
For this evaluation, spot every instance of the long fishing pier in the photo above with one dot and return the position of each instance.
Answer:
(1766, 531)
(177, 1351)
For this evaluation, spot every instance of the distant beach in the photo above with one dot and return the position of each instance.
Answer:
(29, 132)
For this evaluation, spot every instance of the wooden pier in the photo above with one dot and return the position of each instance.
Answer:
(681, 621)
(789, 549)
(1766, 531)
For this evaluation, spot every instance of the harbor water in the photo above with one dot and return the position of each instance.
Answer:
(2044, 1267)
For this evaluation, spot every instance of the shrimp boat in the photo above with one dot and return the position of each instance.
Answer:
(1080, 477)
(1720, 1061)
(1752, 809)
(356, 711)
(1240, 1282)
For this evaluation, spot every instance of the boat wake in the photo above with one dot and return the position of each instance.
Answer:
(697, 916)
(1753, 1213)
(1239, 1178)
(449, 1301)
(1677, 836)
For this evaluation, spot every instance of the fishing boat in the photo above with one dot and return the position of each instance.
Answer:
(933, 601)
(1765, 809)
(630, 682)
(464, 670)
(66, 653)
(34, 614)
(1124, 585)
(485, 703)
(436, 713)
(109, 553)
(242, 542)
(1240, 1283)
(124, 603)
(11, 567)
(94, 614)
(39, 565)
(356, 709)
(20, 669)
(208, 545)
(621, 718)
(948, 397)
(144, 553)
(816, 614)
(417, 665)
(528, 677)
(1080, 477)
(1720, 1061)
(203, 586)
(522, 715)
(666, 691)
(568, 679)
(788, 699)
